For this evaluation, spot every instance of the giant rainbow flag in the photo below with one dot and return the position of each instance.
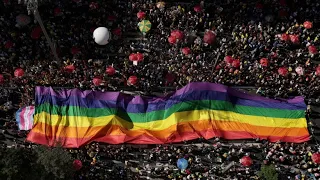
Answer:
(74, 118)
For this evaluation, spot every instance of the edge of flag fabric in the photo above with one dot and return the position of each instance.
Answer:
(24, 118)
(74, 118)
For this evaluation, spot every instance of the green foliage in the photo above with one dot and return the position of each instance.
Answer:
(40, 163)
(56, 162)
(268, 172)
(17, 164)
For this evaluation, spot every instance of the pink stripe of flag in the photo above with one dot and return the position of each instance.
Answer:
(24, 117)
(30, 114)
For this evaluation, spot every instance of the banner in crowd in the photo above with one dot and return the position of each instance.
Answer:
(24, 118)
(74, 117)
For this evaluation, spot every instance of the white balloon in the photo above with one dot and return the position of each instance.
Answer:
(101, 35)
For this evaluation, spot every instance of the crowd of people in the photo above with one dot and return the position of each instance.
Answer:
(249, 49)
(213, 160)
(247, 31)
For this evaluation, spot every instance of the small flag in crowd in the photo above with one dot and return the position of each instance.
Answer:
(24, 118)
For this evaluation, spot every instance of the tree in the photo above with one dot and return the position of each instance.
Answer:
(39, 163)
(17, 163)
(56, 162)
(268, 172)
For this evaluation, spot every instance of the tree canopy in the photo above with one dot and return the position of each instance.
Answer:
(38, 163)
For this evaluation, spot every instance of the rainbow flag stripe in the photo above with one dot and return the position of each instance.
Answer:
(75, 118)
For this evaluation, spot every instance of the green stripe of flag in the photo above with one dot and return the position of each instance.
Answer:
(163, 114)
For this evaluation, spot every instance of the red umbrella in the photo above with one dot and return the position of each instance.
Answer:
(94, 5)
(318, 71)
(140, 56)
(197, 8)
(141, 15)
(133, 57)
(19, 72)
(117, 31)
(228, 59)
(36, 33)
(77, 164)
(264, 62)
(170, 77)
(8, 44)
(75, 50)
(110, 71)
(1, 79)
(209, 37)
(186, 50)
(294, 39)
(285, 37)
(97, 81)
(316, 158)
(312, 49)
(246, 161)
(283, 71)
(70, 68)
(236, 63)
(177, 34)
(172, 39)
(307, 25)
(57, 11)
(132, 80)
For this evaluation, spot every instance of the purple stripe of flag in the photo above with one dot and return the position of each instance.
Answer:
(192, 87)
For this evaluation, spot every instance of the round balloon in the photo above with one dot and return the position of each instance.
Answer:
(283, 71)
(236, 63)
(182, 163)
(172, 39)
(77, 164)
(70, 68)
(140, 56)
(101, 35)
(186, 50)
(110, 71)
(133, 57)
(209, 37)
(264, 62)
(246, 161)
(177, 34)
(316, 158)
(228, 59)
(312, 49)
(97, 81)
(307, 25)
(18, 72)
(132, 80)
(285, 37)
